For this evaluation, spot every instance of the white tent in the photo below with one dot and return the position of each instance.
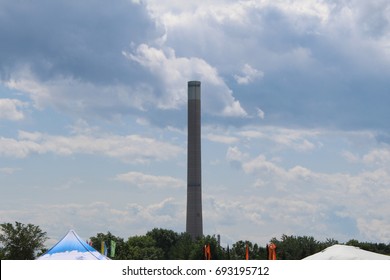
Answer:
(344, 252)
(72, 247)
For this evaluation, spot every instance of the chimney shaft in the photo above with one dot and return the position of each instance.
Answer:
(194, 222)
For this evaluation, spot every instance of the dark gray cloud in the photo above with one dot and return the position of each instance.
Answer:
(79, 39)
(321, 64)
(76, 57)
(321, 74)
(324, 64)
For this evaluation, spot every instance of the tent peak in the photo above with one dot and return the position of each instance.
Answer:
(72, 247)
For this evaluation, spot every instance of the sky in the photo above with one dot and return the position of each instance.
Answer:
(295, 116)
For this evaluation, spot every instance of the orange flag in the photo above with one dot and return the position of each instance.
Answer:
(272, 251)
(207, 252)
(247, 252)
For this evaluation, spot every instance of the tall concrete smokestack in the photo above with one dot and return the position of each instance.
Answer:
(194, 223)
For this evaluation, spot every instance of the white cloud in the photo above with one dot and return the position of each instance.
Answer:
(8, 170)
(349, 156)
(234, 109)
(226, 11)
(252, 133)
(301, 140)
(260, 163)
(221, 138)
(79, 97)
(302, 8)
(130, 148)
(379, 156)
(262, 216)
(173, 70)
(376, 157)
(295, 139)
(248, 75)
(147, 180)
(260, 113)
(299, 193)
(301, 173)
(234, 154)
(10, 109)
(88, 219)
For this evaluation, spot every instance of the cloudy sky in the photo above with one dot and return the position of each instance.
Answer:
(295, 116)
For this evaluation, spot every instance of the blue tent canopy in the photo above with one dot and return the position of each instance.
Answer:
(72, 247)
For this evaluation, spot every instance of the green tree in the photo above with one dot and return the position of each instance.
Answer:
(237, 251)
(121, 248)
(143, 248)
(183, 247)
(329, 242)
(380, 248)
(197, 252)
(353, 242)
(165, 240)
(296, 247)
(256, 252)
(21, 242)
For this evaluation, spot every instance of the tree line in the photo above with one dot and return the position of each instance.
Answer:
(26, 242)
